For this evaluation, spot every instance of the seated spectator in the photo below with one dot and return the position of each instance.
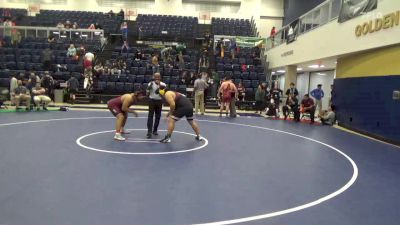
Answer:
(138, 56)
(22, 94)
(15, 37)
(328, 117)
(33, 81)
(91, 27)
(72, 86)
(243, 67)
(51, 38)
(13, 86)
(308, 106)
(40, 98)
(166, 54)
(97, 26)
(292, 105)
(115, 70)
(241, 91)
(67, 25)
(60, 25)
(272, 109)
(98, 69)
(71, 51)
(75, 25)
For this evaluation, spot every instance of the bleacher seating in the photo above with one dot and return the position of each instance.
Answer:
(231, 27)
(167, 27)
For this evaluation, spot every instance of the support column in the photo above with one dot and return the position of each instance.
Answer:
(290, 76)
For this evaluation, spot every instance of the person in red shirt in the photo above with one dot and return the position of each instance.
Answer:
(308, 106)
(272, 35)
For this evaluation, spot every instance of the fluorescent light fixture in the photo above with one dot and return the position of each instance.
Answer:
(273, 73)
(321, 74)
(280, 71)
(316, 66)
(299, 69)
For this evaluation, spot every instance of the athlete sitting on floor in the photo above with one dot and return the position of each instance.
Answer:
(119, 107)
(180, 106)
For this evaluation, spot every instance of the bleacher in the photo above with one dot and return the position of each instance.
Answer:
(139, 72)
(13, 13)
(50, 18)
(231, 27)
(167, 27)
(250, 78)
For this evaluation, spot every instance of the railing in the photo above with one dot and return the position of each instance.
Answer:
(44, 32)
(319, 16)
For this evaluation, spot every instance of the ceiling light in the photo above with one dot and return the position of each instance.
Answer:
(280, 71)
(273, 73)
(316, 66)
(322, 74)
(299, 69)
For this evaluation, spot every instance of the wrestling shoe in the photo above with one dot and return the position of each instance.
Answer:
(199, 138)
(119, 137)
(148, 135)
(166, 139)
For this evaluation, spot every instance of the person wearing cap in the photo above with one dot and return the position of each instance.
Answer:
(180, 106)
(119, 107)
(318, 94)
(155, 105)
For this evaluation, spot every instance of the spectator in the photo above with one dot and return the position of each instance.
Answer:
(125, 47)
(72, 86)
(272, 109)
(241, 91)
(98, 69)
(272, 36)
(22, 94)
(138, 56)
(199, 87)
(121, 14)
(204, 62)
(140, 32)
(207, 38)
(318, 94)
(91, 27)
(260, 98)
(13, 86)
(7, 27)
(60, 25)
(332, 94)
(71, 51)
(33, 81)
(292, 105)
(166, 54)
(89, 56)
(256, 52)
(88, 81)
(232, 48)
(98, 26)
(275, 94)
(308, 106)
(48, 84)
(75, 25)
(155, 64)
(328, 117)
(67, 25)
(47, 58)
(124, 31)
(292, 91)
(181, 62)
(15, 38)
(39, 97)
(51, 38)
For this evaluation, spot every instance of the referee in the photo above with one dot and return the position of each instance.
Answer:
(155, 105)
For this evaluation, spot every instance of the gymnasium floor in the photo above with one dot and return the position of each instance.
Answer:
(64, 168)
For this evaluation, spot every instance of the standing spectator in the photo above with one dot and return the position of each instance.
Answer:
(181, 62)
(308, 106)
(292, 91)
(204, 62)
(22, 94)
(232, 105)
(241, 91)
(47, 58)
(207, 38)
(33, 81)
(155, 104)
(124, 31)
(232, 48)
(89, 56)
(275, 94)
(7, 27)
(318, 94)
(220, 48)
(165, 54)
(125, 47)
(260, 98)
(199, 87)
(13, 86)
(272, 36)
(155, 64)
(292, 105)
(15, 38)
(39, 97)
(72, 85)
(328, 117)
(121, 14)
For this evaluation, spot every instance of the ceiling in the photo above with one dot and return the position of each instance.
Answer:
(312, 66)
